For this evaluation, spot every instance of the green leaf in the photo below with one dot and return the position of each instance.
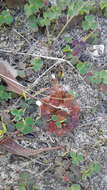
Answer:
(72, 92)
(33, 21)
(76, 7)
(73, 154)
(29, 10)
(97, 77)
(76, 158)
(52, 13)
(8, 19)
(33, 7)
(80, 158)
(29, 121)
(86, 9)
(43, 21)
(89, 23)
(85, 25)
(25, 126)
(22, 187)
(58, 124)
(37, 64)
(18, 114)
(5, 17)
(105, 12)
(75, 187)
(39, 122)
(72, 11)
(25, 178)
(63, 4)
(103, 4)
(1, 19)
(83, 67)
(4, 95)
(94, 168)
(67, 49)
(104, 76)
(68, 39)
(49, 16)
(54, 118)
(93, 26)
(37, 3)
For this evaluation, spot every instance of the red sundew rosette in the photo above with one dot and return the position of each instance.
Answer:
(61, 104)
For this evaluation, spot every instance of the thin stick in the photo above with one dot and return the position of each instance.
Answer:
(49, 58)
(13, 147)
(13, 81)
(32, 54)
(38, 79)
(22, 36)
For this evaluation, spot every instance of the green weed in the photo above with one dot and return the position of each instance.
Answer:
(99, 77)
(74, 187)
(25, 126)
(18, 114)
(83, 67)
(76, 158)
(94, 168)
(37, 64)
(4, 95)
(5, 17)
(103, 6)
(89, 23)
(26, 181)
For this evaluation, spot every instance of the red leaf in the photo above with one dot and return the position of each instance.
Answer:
(66, 178)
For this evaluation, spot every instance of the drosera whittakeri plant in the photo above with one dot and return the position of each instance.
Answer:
(59, 110)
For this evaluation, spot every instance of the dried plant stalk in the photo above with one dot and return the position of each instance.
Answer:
(10, 145)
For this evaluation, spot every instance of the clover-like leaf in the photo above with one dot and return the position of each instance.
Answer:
(98, 77)
(94, 168)
(83, 67)
(76, 7)
(74, 187)
(25, 126)
(104, 76)
(18, 114)
(54, 117)
(33, 7)
(58, 124)
(89, 23)
(5, 17)
(76, 158)
(103, 4)
(37, 64)
(29, 10)
(33, 21)
(4, 95)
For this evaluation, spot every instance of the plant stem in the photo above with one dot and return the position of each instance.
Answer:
(68, 21)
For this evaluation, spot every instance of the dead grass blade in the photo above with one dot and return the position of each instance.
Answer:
(10, 145)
